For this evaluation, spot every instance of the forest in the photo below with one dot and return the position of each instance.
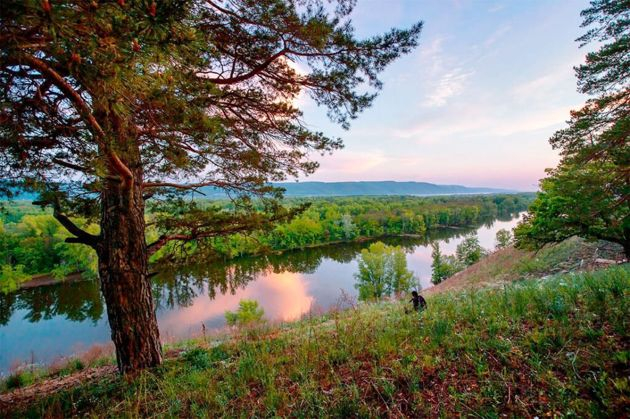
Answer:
(33, 242)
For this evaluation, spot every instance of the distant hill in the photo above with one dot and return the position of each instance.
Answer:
(300, 189)
(321, 189)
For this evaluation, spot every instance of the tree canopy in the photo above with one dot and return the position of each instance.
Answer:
(205, 90)
(588, 193)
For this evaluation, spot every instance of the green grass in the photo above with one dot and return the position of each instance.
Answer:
(556, 347)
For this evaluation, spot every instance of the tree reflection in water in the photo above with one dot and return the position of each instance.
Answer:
(76, 301)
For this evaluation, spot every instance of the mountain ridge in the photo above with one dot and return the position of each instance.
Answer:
(369, 188)
(351, 188)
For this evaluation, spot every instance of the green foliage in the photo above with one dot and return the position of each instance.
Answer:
(19, 379)
(382, 272)
(329, 220)
(437, 265)
(503, 239)
(11, 277)
(35, 240)
(202, 359)
(248, 313)
(586, 194)
(572, 201)
(469, 251)
(443, 266)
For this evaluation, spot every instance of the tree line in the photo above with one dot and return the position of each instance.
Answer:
(33, 242)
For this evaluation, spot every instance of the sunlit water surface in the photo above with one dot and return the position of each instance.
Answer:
(43, 324)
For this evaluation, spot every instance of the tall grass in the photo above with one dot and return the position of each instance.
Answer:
(556, 347)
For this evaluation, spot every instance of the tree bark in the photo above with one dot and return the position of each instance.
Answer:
(125, 283)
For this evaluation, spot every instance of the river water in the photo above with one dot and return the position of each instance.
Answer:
(44, 324)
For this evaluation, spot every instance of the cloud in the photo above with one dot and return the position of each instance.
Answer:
(497, 35)
(496, 8)
(545, 85)
(449, 85)
(354, 164)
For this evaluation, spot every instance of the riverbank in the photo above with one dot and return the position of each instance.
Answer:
(45, 279)
(556, 346)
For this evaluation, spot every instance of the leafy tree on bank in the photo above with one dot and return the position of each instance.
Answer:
(469, 251)
(382, 272)
(438, 272)
(588, 194)
(140, 103)
(503, 239)
(443, 266)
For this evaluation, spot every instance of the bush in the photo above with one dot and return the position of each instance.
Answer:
(248, 313)
(19, 379)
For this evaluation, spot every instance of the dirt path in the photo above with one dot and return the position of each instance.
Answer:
(21, 397)
(24, 396)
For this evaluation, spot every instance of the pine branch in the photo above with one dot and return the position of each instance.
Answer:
(82, 236)
(84, 109)
(257, 70)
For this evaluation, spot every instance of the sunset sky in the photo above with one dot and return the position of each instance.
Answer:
(474, 105)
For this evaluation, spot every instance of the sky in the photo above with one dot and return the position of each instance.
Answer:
(474, 104)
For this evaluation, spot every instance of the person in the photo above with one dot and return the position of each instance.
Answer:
(419, 303)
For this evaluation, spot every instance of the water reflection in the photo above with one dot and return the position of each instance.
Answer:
(76, 301)
(50, 321)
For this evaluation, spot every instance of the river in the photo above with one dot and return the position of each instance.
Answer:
(46, 323)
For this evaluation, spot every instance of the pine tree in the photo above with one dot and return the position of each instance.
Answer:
(588, 193)
(108, 107)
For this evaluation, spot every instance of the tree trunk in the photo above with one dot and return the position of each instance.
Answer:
(123, 258)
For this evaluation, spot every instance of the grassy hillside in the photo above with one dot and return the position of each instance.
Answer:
(510, 264)
(558, 346)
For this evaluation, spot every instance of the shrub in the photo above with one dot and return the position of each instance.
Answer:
(248, 313)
